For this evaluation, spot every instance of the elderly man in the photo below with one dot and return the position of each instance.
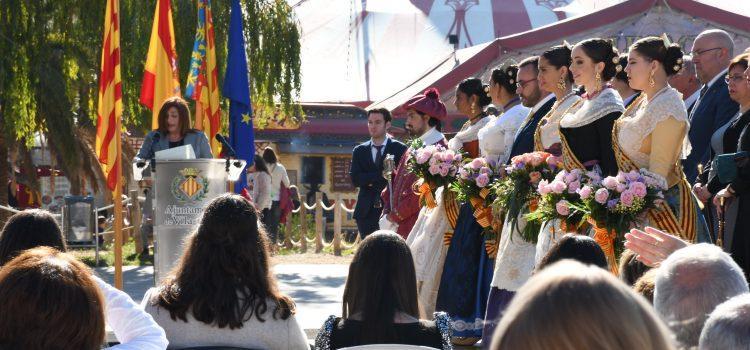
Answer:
(687, 83)
(690, 283)
(728, 325)
(712, 51)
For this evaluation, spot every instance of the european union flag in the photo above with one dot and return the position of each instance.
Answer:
(237, 90)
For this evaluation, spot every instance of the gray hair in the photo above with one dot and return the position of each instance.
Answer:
(688, 67)
(721, 37)
(689, 285)
(727, 326)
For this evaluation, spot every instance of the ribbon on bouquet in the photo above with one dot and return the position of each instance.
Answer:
(606, 240)
(482, 213)
(425, 194)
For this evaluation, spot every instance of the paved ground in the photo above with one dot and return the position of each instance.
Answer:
(317, 289)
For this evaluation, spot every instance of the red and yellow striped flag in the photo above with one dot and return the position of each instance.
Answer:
(109, 109)
(160, 76)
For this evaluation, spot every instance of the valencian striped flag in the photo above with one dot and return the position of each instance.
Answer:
(202, 83)
(237, 89)
(160, 74)
(109, 110)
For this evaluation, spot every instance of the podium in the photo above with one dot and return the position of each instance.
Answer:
(181, 190)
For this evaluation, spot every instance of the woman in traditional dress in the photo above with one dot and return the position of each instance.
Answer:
(554, 75)
(496, 138)
(652, 133)
(467, 267)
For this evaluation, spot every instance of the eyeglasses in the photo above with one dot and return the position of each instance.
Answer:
(734, 78)
(700, 52)
(522, 84)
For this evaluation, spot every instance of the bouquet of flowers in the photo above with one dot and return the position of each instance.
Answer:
(475, 179)
(561, 198)
(615, 203)
(516, 193)
(435, 166)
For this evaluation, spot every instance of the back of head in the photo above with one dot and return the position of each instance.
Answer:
(658, 49)
(505, 76)
(575, 306)
(580, 248)
(49, 301)
(728, 326)
(645, 285)
(223, 276)
(29, 229)
(260, 164)
(381, 282)
(475, 87)
(690, 283)
(269, 155)
(630, 268)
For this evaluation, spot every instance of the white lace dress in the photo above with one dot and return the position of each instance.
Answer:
(496, 138)
(426, 239)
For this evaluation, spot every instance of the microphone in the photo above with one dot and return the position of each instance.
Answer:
(226, 147)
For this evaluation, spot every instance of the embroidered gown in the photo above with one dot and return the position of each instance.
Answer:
(426, 239)
(464, 284)
(652, 136)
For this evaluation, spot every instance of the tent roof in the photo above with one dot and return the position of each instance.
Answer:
(445, 76)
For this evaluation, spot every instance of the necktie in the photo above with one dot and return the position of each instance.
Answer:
(379, 150)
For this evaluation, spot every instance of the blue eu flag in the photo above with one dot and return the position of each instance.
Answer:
(237, 90)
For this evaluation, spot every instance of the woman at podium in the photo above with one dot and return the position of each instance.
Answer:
(174, 131)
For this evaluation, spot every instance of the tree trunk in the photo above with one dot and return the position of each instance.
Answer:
(4, 215)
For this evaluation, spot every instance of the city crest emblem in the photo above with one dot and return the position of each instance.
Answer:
(189, 186)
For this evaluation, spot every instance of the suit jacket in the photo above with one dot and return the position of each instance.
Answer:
(712, 111)
(524, 141)
(368, 176)
(194, 138)
(405, 206)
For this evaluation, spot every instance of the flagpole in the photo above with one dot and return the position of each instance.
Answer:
(118, 206)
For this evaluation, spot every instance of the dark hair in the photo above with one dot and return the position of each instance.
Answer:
(474, 87)
(223, 277)
(29, 229)
(621, 75)
(381, 282)
(600, 50)
(260, 164)
(386, 114)
(269, 156)
(182, 110)
(506, 76)
(432, 122)
(630, 268)
(50, 301)
(532, 61)
(655, 49)
(559, 56)
(581, 248)
(739, 60)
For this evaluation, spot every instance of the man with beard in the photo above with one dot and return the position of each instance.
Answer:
(532, 96)
(424, 114)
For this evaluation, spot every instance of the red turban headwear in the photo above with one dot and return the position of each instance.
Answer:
(428, 103)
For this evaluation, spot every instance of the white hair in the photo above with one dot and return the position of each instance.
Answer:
(689, 285)
(688, 67)
(728, 326)
(722, 39)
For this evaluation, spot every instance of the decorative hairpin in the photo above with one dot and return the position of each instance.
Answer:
(487, 89)
(618, 68)
(565, 43)
(679, 61)
(616, 59)
(665, 39)
(677, 67)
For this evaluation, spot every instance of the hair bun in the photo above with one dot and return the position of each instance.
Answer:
(673, 59)
(432, 93)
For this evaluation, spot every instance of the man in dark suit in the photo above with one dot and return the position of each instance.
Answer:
(532, 96)
(712, 51)
(366, 170)
(687, 83)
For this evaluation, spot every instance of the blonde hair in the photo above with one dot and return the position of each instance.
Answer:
(573, 306)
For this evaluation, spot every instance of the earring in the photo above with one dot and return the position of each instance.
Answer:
(561, 83)
(473, 111)
(651, 81)
(598, 83)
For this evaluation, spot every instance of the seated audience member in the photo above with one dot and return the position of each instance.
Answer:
(630, 268)
(221, 293)
(49, 301)
(571, 306)
(645, 285)
(580, 248)
(133, 328)
(728, 326)
(380, 301)
(690, 283)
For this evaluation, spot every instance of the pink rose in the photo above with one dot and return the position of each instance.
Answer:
(570, 177)
(620, 177)
(620, 188)
(485, 170)
(601, 195)
(626, 198)
(558, 186)
(543, 187)
(574, 186)
(563, 208)
(482, 180)
(434, 169)
(610, 182)
(639, 189)
(535, 176)
(553, 161)
(477, 163)
(423, 157)
(463, 173)
(536, 160)
(632, 175)
(585, 192)
(444, 170)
